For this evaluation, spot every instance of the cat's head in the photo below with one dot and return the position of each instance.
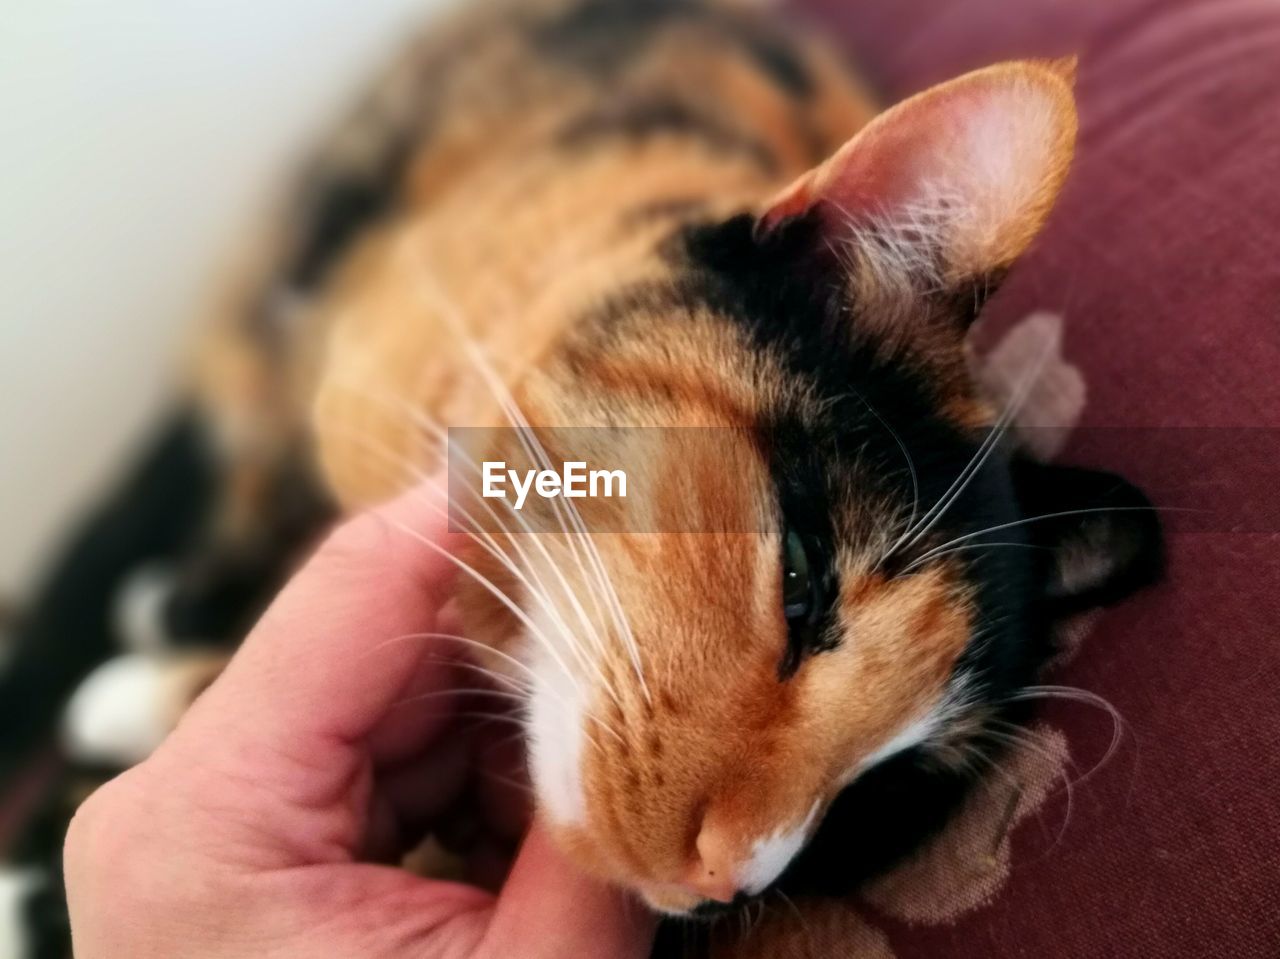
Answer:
(821, 587)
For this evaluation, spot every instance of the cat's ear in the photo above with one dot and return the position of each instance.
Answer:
(948, 187)
(1099, 534)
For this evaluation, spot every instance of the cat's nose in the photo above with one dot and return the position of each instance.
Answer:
(711, 874)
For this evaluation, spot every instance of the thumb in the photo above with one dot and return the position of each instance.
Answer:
(548, 909)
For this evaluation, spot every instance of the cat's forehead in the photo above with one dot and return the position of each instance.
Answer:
(851, 428)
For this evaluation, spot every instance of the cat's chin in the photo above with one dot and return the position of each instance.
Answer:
(678, 904)
(710, 910)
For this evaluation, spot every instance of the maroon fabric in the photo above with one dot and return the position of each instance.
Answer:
(1164, 255)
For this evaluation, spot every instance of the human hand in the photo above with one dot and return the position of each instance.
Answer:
(249, 833)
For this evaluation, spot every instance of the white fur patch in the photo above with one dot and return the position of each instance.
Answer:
(909, 737)
(121, 713)
(917, 732)
(557, 712)
(139, 609)
(771, 855)
(15, 888)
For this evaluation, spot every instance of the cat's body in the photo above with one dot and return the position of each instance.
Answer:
(613, 213)
(524, 159)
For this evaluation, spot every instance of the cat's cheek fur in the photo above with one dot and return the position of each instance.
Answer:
(932, 725)
(914, 734)
(772, 854)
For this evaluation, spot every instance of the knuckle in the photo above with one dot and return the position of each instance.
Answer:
(101, 829)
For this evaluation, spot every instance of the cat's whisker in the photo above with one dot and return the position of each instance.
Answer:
(514, 685)
(924, 557)
(449, 314)
(509, 659)
(485, 583)
(1023, 739)
(938, 554)
(1017, 788)
(507, 781)
(476, 532)
(464, 641)
(539, 594)
(989, 444)
(520, 687)
(534, 449)
(459, 692)
(804, 924)
(906, 454)
(503, 743)
(487, 717)
(973, 753)
(425, 423)
(598, 642)
(541, 591)
(1074, 694)
(485, 541)
(437, 431)
(532, 444)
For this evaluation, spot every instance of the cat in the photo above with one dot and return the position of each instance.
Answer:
(682, 215)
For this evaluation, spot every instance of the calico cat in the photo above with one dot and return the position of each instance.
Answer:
(683, 215)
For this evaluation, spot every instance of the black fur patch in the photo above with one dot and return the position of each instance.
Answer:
(336, 209)
(342, 211)
(636, 120)
(773, 55)
(676, 208)
(603, 37)
(1107, 546)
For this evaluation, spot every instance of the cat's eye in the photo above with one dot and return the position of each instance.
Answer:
(798, 596)
(807, 587)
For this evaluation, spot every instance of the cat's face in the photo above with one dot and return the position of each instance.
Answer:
(792, 610)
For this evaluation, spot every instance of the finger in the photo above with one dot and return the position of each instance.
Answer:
(424, 788)
(338, 648)
(426, 702)
(549, 909)
(325, 665)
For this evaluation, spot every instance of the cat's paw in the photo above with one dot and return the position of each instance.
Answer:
(120, 713)
(140, 609)
(127, 706)
(17, 887)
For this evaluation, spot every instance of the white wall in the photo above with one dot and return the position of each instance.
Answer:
(135, 136)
